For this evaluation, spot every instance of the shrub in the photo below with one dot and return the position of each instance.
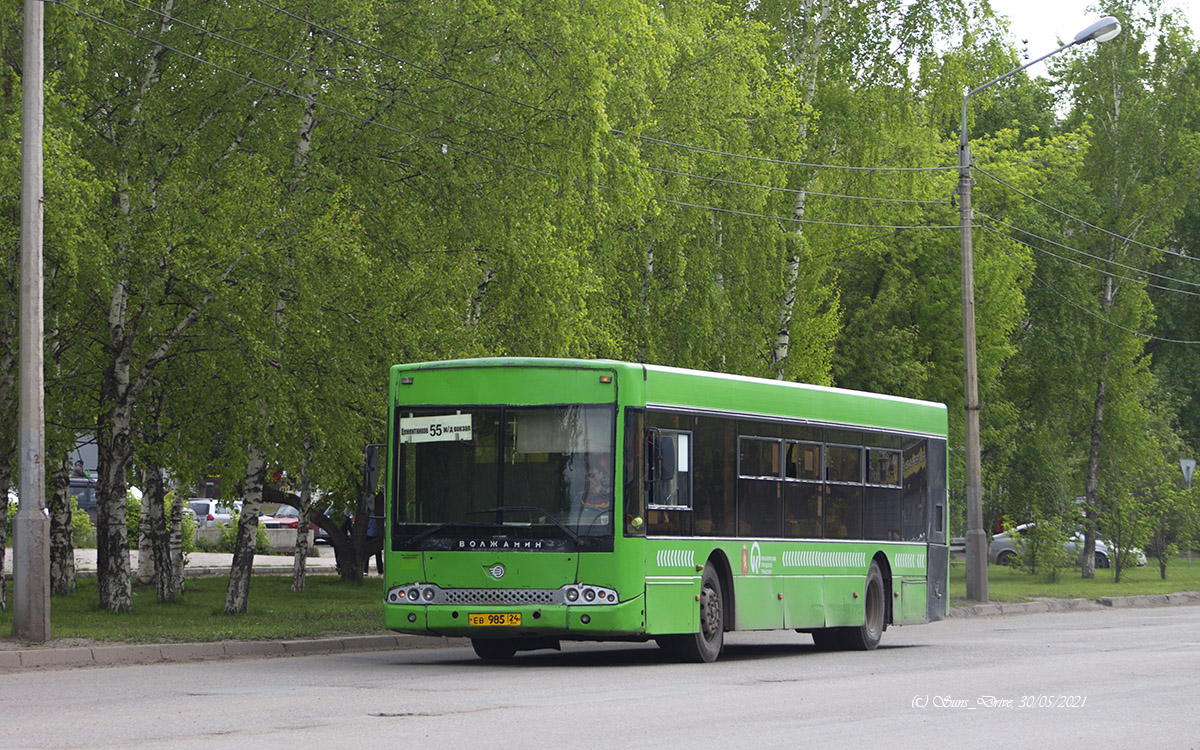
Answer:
(83, 531)
(262, 543)
(189, 534)
(133, 518)
(1043, 550)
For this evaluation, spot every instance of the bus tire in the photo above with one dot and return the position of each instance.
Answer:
(706, 645)
(866, 636)
(494, 649)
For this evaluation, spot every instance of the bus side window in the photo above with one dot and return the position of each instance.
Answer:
(669, 468)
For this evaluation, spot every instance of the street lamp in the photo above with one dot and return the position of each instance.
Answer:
(1101, 31)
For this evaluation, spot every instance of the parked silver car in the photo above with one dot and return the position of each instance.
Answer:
(1006, 546)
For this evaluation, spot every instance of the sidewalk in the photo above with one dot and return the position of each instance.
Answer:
(218, 563)
(994, 609)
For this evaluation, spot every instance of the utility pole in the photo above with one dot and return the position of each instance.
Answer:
(31, 527)
(977, 583)
(977, 540)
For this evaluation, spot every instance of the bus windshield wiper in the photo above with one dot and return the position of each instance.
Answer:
(435, 529)
(578, 539)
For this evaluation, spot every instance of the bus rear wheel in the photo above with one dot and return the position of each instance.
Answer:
(866, 637)
(706, 645)
(494, 649)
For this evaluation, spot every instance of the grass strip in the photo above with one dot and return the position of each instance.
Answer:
(1009, 584)
(328, 606)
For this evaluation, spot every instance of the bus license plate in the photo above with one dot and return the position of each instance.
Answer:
(498, 618)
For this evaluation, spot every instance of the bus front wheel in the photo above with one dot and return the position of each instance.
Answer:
(704, 646)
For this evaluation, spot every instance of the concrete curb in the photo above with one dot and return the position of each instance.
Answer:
(1072, 605)
(172, 653)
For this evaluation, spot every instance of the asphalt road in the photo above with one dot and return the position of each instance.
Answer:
(1107, 678)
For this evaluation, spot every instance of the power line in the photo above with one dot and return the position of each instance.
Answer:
(390, 56)
(1081, 264)
(387, 97)
(783, 162)
(794, 191)
(792, 220)
(648, 139)
(1135, 269)
(1072, 217)
(1050, 287)
(327, 76)
(445, 146)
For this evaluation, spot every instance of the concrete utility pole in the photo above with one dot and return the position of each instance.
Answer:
(977, 558)
(31, 527)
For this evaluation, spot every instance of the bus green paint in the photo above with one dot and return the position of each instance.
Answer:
(768, 583)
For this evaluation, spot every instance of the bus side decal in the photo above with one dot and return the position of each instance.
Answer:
(676, 558)
(909, 560)
(820, 559)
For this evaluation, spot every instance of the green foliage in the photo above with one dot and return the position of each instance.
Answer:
(1042, 550)
(133, 518)
(83, 531)
(229, 531)
(187, 540)
(562, 178)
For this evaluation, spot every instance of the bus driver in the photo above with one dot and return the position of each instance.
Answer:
(597, 492)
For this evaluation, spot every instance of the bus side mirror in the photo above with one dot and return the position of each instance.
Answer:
(662, 456)
(371, 468)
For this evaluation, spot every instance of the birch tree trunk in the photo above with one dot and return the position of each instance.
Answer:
(173, 588)
(113, 435)
(62, 550)
(146, 561)
(1092, 482)
(806, 54)
(115, 450)
(237, 596)
(155, 524)
(300, 556)
(8, 434)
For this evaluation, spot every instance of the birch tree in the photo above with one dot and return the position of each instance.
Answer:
(1136, 95)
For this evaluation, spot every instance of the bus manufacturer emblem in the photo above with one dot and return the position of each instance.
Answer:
(496, 571)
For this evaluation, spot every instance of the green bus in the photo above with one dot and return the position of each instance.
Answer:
(537, 500)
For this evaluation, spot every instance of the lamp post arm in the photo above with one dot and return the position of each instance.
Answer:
(963, 131)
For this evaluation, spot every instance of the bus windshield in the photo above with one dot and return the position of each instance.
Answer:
(538, 478)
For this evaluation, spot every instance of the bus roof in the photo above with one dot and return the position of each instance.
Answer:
(673, 387)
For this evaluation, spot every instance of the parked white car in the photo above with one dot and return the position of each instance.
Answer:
(1006, 546)
(210, 512)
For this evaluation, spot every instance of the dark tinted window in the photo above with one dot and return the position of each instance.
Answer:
(759, 458)
(843, 464)
(714, 484)
(804, 461)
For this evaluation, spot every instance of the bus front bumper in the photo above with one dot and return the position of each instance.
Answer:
(583, 622)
